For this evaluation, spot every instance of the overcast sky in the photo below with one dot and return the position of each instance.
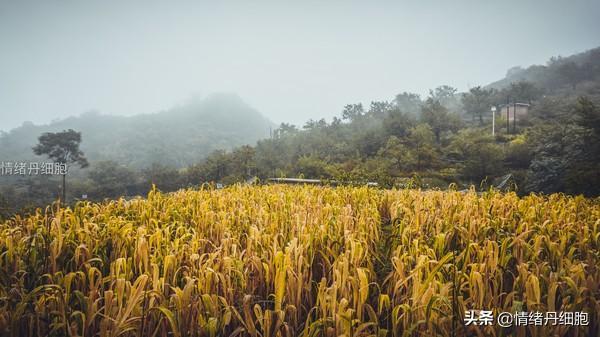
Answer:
(291, 60)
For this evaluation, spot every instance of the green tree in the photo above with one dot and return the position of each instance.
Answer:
(243, 163)
(447, 96)
(438, 118)
(111, 180)
(62, 147)
(443, 93)
(353, 112)
(165, 178)
(481, 158)
(587, 114)
(270, 155)
(477, 102)
(422, 148)
(571, 73)
(395, 153)
(380, 109)
(285, 129)
(566, 154)
(518, 153)
(312, 124)
(408, 103)
(584, 168)
(368, 141)
(552, 148)
(522, 91)
(397, 123)
(311, 167)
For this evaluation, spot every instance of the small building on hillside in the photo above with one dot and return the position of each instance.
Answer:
(513, 109)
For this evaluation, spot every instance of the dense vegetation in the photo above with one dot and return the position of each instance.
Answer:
(300, 261)
(446, 137)
(434, 141)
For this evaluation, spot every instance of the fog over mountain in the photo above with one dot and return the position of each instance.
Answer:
(175, 137)
(290, 61)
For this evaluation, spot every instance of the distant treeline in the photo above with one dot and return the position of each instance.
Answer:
(434, 141)
(445, 138)
(177, 137)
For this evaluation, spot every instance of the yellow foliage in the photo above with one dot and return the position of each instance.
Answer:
(298, 260)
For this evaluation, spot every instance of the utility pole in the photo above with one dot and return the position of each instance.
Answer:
(493, 121)
(514, 117)
(507, 115)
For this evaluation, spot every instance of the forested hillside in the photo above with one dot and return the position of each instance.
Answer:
(446, 137)
(430, 142)
(177, 137)
(560, 74)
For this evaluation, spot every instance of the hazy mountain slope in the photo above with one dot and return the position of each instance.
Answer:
(559, 74)
(176, 137)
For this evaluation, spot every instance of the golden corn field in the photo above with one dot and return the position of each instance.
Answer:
(300, 261)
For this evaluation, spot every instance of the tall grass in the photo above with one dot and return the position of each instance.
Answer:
(299, 261)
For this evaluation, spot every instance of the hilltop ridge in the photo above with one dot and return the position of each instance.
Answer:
(178, 136)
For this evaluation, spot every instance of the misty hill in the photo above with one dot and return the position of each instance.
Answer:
(176, 137)
(434, 142)
(561, 75)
